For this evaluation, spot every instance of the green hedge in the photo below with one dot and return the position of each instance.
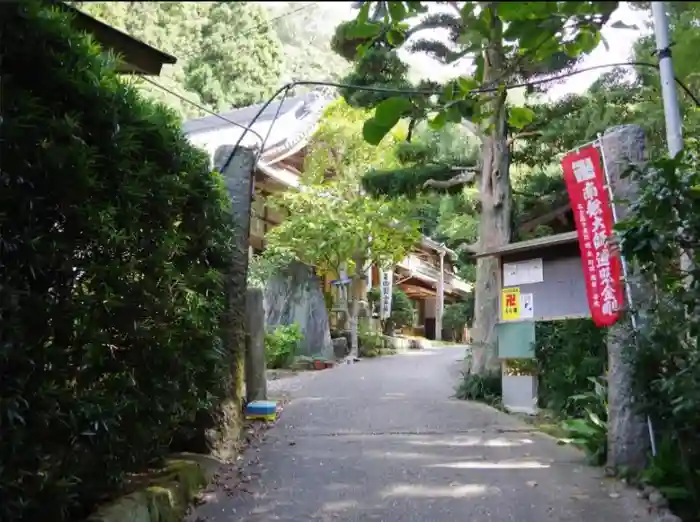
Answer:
(569, 353)
(113, 236)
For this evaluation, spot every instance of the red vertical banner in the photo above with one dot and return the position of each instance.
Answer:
(585, 182)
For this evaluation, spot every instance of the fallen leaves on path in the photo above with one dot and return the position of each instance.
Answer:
(235, 477)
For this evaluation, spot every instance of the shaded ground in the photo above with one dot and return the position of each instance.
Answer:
(382, 440)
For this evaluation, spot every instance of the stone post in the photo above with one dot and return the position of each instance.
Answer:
(238, 178)
(440, 308)
(628, 434)
(255, 369)
(218, 431)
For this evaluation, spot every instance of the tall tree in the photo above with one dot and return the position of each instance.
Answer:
(331, 223)
(305, 30)
(228, 54)
(238, 58)
(434, 153)
(494, 43)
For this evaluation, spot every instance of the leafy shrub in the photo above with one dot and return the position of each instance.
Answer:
(569, 353)
(590, 431)
(114, 236)
(664, 221)
(486, 388)
(483, 388)
(480, 387)
(371, 343)
(457, 316)
(281, 345)
(519, 367)
(401, 309)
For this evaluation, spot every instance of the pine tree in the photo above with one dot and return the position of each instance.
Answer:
(494, 44)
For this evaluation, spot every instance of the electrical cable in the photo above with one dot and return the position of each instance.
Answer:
(269, 22)
(203, 108)
(279, 17)
(285, 90)
(418, 92)
(215, 114)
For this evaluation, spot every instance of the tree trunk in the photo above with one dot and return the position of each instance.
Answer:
(495, 217)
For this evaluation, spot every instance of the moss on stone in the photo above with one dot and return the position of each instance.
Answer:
(166, 493)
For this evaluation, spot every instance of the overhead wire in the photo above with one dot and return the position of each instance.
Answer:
(286, 88)
(284, 91)
(246, 33)
(203, 108)
(428, 92)
(269, 21)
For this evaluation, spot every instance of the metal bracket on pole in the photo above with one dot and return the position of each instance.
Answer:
(674, 133)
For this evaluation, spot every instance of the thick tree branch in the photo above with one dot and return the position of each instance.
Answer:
(532, 223)
(522, 135)
(474, 129)
(466, 175)
(472, 248)
(456, 7)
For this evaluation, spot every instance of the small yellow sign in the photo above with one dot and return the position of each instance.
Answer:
(510, 304)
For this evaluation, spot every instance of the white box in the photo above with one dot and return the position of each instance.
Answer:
(520, 393)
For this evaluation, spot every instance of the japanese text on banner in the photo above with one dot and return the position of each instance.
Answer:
(585, 183)
(387, 280)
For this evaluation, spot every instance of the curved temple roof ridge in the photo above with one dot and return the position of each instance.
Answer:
(297, 119)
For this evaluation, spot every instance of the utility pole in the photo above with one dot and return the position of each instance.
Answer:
(674, 133)
(440, 297)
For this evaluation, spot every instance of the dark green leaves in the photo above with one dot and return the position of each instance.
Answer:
(586, 41)
(387, 114)
(438, 120)
(397, 11)
(366, 30)
(363, 15)
(512, 11)
(113, 280)
(519, 117)
(395, 37)
(535, 38)
(467, 85)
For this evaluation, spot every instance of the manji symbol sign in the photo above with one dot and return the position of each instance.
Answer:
(510, 303)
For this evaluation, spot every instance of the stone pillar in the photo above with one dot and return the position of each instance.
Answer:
(255, 368)
(238, 178)
(628, 435)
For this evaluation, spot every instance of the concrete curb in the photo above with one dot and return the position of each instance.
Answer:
(165, 495)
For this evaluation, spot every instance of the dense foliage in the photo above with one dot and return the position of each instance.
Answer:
(113, 238)
(569, 353)
(305, 30)
(457, 316)
(331, 224)
(228, 54)
(665, 222)
(281, 344)
(497, 43)
(402, 309)
(588, 431)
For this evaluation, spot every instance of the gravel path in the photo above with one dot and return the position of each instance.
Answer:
(382, 440)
